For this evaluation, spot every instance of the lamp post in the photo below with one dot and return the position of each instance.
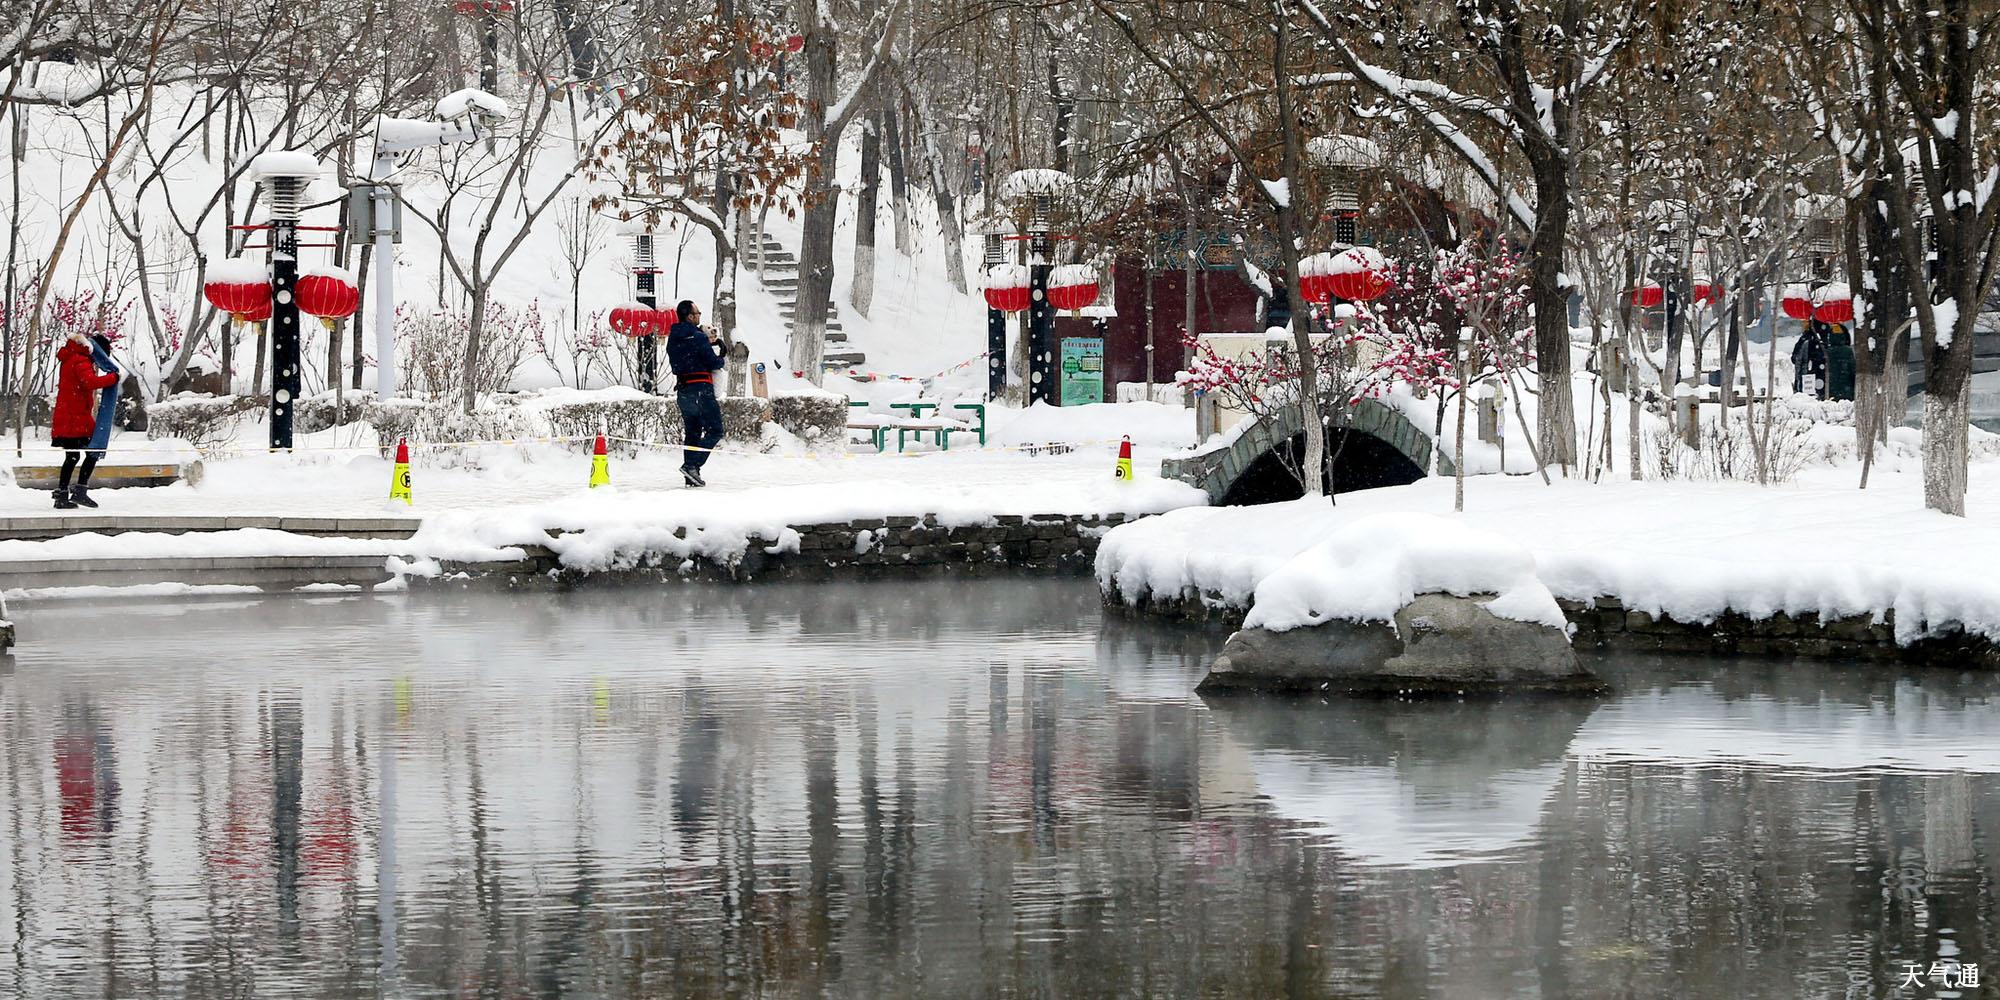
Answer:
(284, 176)
(996, 324)
(645, 282)
(469, 116)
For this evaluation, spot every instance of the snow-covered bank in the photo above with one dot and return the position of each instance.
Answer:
(1687, 550)
(610, 529)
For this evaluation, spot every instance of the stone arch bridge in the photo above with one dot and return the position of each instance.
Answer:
(1379, 446)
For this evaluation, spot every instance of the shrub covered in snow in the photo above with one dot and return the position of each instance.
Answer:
(203, 421)
(324, 410)
(813, 417)
(432, 346)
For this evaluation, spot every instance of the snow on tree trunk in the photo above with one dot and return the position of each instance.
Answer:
(470, 397)
(808, 351)
(899, 180)
(1947, 416)
(861, 293)
(947, 211)
(1555, 417)
(808, 348)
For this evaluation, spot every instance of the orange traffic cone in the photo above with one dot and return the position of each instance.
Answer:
(1124, 470)
(600, 465)
(399, 480)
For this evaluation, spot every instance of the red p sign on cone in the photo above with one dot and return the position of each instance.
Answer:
(1124, 471)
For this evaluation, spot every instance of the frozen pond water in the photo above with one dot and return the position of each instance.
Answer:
(943, 789)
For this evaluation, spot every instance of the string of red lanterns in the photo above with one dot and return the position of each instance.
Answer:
(634, 319)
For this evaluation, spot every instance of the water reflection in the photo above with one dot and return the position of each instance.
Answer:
(942, 789)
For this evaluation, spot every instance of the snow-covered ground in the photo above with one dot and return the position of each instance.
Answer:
(484, 504)
(1687, 549)
(340, 473)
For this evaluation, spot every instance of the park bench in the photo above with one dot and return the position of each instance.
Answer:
(111, 476)
(940, 427)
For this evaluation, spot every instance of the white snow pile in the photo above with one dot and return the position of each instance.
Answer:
(1008, 276)
(1371, 568)
(237, 271)
(1071, 275)
(329, 271)
(285, 163)
(1042, 180)
(1690, 550)
(458, 102)
(1351, 151)
(1355, 260)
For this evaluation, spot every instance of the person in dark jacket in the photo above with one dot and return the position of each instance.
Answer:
(75, 417)
(695, 356)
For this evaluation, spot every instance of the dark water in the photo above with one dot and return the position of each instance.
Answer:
(949, 790)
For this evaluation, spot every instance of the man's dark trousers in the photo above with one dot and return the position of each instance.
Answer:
(702, 416)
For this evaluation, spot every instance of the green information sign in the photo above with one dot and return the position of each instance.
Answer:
(1082, 370)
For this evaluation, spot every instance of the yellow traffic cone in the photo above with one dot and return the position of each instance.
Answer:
(399, 481)
(600, 465)
(1124, 470)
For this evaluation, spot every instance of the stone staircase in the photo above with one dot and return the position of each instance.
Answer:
(778, 269)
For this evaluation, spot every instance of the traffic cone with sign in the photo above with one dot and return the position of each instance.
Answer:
(1124, 471)
(600, 465)
(399, 480)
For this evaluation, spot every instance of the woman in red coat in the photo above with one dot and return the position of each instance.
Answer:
(77, 382)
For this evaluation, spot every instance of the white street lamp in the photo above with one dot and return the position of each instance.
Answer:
(467, 117)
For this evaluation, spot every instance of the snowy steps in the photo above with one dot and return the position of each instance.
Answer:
(778, 270)
(126, 564)
(43, 528)
(280, 572)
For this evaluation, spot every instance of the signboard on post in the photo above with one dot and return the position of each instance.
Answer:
(1082, 370)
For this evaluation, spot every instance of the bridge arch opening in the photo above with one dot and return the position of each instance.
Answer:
(1362, 461)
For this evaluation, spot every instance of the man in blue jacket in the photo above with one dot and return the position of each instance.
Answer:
(695, 357)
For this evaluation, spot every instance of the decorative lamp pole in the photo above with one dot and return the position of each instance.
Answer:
(645, 281)
(996, 322)
(284, 176)
(1039, 189)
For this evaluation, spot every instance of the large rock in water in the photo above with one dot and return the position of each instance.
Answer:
(1440, 644)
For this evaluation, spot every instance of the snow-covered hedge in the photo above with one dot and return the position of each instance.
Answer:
(650, 418)
(203, 421)
(814, 417)
(324, 410)
(619, 413)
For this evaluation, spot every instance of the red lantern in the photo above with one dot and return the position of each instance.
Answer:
(258, 311)
(1315, 283)
(1707, 292)
(794, 43)
(1796, 303)
(1833, 303)
(1357, 275)
(1072, 286)
(1007, 287)
(635, 320)
(239, 287)
(329, 293)
(1649, 295)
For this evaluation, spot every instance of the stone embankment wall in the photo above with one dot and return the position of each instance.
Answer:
(868, 548)
(1605, 624)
